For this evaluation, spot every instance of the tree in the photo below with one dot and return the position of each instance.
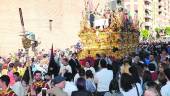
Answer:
(167, 30)
(144, 33)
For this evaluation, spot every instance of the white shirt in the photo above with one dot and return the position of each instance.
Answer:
(139, 86)
(91, 68)
(18, 89)
(132, 92)
(70, 87)
(103, 78)
(64, 68)
(165, 90)
(76, 77)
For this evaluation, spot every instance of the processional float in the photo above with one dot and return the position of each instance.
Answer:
(117, 39)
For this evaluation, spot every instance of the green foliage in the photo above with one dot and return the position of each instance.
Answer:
(158, 29)
(167, 30)
(144, 33)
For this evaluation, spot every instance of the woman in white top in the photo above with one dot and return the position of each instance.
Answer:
(88, 67)
(127, 88)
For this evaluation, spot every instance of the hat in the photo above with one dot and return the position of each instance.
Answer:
(58, 79)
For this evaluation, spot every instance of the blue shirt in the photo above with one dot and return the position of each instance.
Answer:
(165, 90)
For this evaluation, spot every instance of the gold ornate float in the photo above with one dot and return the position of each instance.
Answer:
(118, 35)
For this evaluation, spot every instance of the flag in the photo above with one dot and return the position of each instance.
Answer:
(53, 67)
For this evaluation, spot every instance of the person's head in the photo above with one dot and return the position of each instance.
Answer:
(32, 60)
(103, 63)
(64, 61)
(47, 77)
(87, 64)
(4, 81)
(147, 76)
(151, 57)
(126, 82)
(114, 85)
(97, 56)
(134, 73)
(164, 52)
(151, 92)
(89, 74)
(68, 76)
(10, 67)
(152, 67)
(74, 55)
(37, 75)
(162, 78)
(81, 84)
(152, 84)
(82, 72)
(167, 73)
(59, 82)
(17, 76)
(126, 62)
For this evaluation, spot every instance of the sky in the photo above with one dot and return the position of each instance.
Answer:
(66, 16)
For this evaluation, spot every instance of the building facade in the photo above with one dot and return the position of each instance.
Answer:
(150, 13)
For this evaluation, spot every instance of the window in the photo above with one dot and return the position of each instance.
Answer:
(159, 6)
(146, 19)
(147, 27)
(160, 12)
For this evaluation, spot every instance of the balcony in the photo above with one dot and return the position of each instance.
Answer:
(148, 16)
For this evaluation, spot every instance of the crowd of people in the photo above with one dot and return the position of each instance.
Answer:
(145, 72)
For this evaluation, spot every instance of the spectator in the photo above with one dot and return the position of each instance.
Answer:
(153, 71)
(125, 67)
(147, 77)
(81, 85)
(96, 65)
(74, 63)
(152, 87)
(69, 86)
(88, 67)
(17, 87)
(127, 85)
(151, 92)
(81, 74)
(114, 89)
(47, 79)
(4, 85)
(90, 85)
(65, 68)
(58, 83)
(136, 80)
(165, 90)
(102, 80)
(152, 61)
